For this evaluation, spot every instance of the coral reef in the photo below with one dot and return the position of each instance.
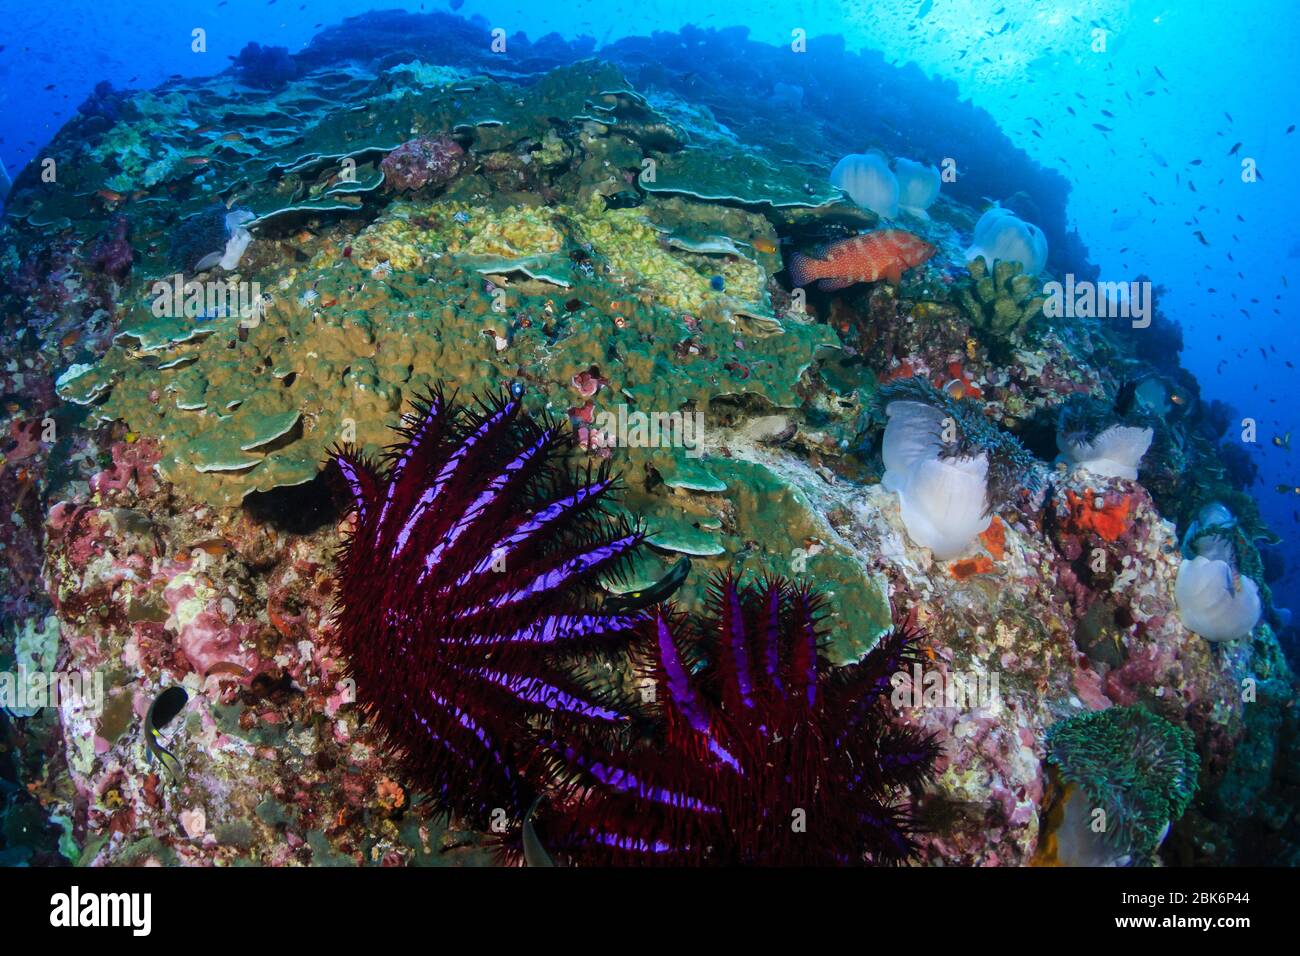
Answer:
(112, 254)
(269, 67)
(1001, 301)
(419, 162)
(613, 245)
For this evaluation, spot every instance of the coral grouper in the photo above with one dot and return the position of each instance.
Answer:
(458, 584)
(883, 254)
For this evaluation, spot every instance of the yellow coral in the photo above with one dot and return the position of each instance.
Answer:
(392, 241)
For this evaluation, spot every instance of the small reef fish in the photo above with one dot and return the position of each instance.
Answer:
(628, 199)
(162, 711)
(1283, 441)
(883, 254)
(656, 593)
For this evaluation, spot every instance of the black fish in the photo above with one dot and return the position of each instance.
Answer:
(628, 199)
(1233, 151)
(1125, 396)
(656, 593)
(163, 711)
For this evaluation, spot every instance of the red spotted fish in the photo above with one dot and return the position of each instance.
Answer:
(883, 254)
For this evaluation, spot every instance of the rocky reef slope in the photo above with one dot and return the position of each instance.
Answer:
(387, 211)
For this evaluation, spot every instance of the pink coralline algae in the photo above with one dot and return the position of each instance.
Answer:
(204, 634)
(131, 463)
(428, 160)
(25, 437)
(112, 255)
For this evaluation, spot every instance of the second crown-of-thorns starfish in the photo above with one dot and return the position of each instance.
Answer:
(765, 756)
(464, 581)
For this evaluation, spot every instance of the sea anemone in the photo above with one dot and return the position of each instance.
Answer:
(1001, 235)
(918, 187)
(765, 755)
(1212, 534)
(944, 501)
(949, 466)
(1136, 767)
(1215, 600)
(1090, 434)
(459, 586)
(1114, 453)
(869, 182)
